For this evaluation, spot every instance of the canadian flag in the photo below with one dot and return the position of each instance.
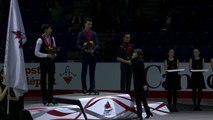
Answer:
(14, 65)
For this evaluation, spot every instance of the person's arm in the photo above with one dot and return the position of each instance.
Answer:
(13, 98)
(212, 63)
(119, 59)
(73, 20)
(177, 64)
(3, 93)
(78, 42)
(37, 50)
(165, 65)
(96, 41)
(203, 63)
(54, 44)
(190, 64)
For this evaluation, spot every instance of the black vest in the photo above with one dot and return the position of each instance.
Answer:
(44, 46)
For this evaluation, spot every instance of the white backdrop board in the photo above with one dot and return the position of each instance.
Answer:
(68, 76)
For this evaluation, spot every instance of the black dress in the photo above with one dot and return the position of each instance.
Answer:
(172, 78)
(197, 79)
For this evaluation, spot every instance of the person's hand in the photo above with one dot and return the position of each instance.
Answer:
(89, 51)
(129, 62)
(7, 87)
(9, 97)
(51, 56)
(145, 88)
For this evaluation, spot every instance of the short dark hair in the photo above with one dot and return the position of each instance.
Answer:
(45, 26)
(171, 49)
(87, 19)
(126, 33)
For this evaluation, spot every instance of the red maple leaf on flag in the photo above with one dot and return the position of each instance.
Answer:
(18, 35)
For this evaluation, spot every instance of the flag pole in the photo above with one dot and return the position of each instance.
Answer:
(8, 102)
(5, 67)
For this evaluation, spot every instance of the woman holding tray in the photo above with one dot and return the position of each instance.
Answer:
(172, 82)
(197, 80)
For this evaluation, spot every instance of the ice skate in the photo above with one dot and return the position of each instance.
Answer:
(93, 92)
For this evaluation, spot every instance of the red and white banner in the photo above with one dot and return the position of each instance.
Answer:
(68, 76)
(14, 65)
(103, 106)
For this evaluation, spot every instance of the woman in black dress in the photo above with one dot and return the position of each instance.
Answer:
(140, 83)
(197, 80)
(172, 82)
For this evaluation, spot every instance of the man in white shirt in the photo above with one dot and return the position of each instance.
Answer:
(46, 50)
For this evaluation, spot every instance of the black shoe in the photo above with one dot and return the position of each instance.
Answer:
(170, 109)
(195, 109)
(175, 110)
(84, 91)
(140, 118)
(44, 101)
(93, 91)
(149, 115)
(54, 101)
(199, 109)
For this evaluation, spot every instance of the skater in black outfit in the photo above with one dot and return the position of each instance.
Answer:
(172, 81)
(123, 56)
(88, 43)
(47, 65)
(140, 83)
(197, 79)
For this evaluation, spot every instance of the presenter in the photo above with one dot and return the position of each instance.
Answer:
(197, 80)
(172, 82)
(140, 83)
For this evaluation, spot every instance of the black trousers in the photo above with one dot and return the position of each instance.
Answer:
(88, 60)
(141, 97)
(126, 77)
(47, 67)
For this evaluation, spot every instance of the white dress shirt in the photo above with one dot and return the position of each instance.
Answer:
(38, 47)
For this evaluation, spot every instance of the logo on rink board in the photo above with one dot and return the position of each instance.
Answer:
(107, 109)
(68, 75)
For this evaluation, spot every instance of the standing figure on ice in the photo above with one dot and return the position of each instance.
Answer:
(88, 43)
(123, 56)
